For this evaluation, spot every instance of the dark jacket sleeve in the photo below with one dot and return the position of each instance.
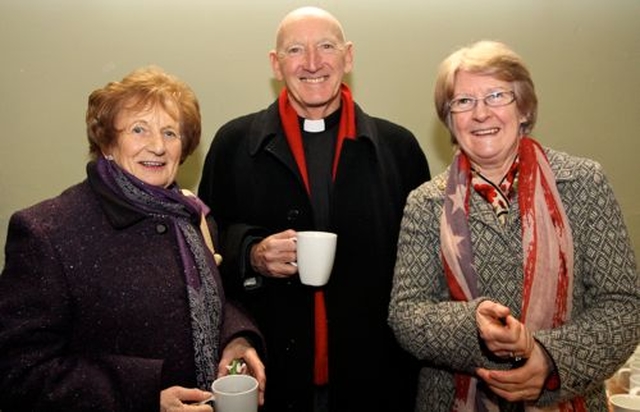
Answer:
(236, 238)
(38, 370)
(237, 321)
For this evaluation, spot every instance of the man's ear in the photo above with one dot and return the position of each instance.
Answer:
(348, 57)
(275, 65)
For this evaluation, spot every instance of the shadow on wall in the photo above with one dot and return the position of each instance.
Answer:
(441, 146)
(189, 172)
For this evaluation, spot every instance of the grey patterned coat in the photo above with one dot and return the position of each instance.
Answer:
(604, 326)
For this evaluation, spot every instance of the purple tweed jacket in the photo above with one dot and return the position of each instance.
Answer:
(93, 308)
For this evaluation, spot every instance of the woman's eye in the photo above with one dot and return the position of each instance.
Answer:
(138, 130)
(170, 134)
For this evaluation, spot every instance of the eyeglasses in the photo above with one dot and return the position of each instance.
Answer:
(495, 99)
(296, 51)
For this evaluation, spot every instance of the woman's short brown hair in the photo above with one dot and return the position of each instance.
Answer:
(488, 58)
(143, 88)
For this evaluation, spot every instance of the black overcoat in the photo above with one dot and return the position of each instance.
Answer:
(251, 182)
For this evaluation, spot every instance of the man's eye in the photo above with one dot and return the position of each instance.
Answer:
(327, 46)
(294, 50)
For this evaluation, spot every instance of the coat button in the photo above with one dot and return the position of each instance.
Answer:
(161, 228)
(292, 215)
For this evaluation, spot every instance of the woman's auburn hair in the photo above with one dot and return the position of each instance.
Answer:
(143, 89)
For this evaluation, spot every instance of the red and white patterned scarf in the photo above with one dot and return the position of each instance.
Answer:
(547, 246)
(346, 130)
(498, 196)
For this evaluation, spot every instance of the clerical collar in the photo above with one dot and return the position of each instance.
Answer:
(318, 126)
(313, 126)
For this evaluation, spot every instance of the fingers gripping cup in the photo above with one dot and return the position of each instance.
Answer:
(315, 254)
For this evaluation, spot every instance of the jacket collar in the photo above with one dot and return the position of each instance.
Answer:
(119, 213)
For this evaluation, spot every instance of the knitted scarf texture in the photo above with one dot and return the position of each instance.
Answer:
(198, 264)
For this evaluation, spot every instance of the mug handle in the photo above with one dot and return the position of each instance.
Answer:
(623, 373)
(212, 399)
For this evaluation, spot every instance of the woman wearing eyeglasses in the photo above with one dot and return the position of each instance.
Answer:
(515, 280)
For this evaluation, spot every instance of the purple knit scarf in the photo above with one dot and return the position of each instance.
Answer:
(198, 264)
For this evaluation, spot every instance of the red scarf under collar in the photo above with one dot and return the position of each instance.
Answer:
(347, 130)
(289, 119)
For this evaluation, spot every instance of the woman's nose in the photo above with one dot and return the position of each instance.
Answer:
(481, 110)
(156, 143)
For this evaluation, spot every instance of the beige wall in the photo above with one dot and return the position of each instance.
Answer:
(584, 55)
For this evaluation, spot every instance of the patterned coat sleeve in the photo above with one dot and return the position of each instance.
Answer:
(425, 321)
(605, 324)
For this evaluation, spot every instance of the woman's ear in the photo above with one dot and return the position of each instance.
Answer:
(524, 126)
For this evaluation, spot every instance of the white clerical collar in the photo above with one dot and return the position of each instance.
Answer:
(313, 126)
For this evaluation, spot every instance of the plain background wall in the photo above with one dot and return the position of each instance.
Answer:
(584, 56)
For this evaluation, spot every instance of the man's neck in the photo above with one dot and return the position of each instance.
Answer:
(316, 113)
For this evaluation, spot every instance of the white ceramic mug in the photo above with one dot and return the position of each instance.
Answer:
(235, 393)
(634, 384)
(315, 253)
(626, 403)
(624, 374)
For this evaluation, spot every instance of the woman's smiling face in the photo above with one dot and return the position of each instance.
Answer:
(148, 145)
(488, 135)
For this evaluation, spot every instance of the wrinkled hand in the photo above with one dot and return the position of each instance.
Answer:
(239, 348)
(179, 399)
(274, 254)
(504, 335)
(520, 384)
